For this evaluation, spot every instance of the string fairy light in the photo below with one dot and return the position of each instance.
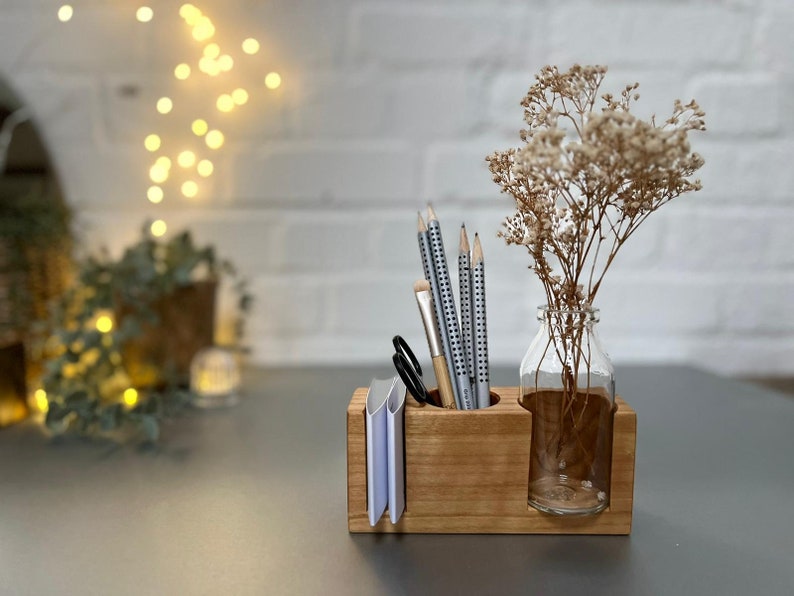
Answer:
(225, 103)
(144, 14)
(182, 71)
(189, 189)
(250, 46)
(165, 105)
(273, 80)
(205, 168)
(152, 142)
(186, 159)
(212, 61)
(214, 139)
(158, 228)
(155, 194)
(199, 127)
(130, 396)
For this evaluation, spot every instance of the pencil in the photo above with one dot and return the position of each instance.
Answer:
(430, 275)
(464, 284)
(480, 325)
(461, 377)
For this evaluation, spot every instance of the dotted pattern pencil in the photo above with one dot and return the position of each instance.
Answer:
(430, 275)
(464, 284)
(480, 325)
(450, 312)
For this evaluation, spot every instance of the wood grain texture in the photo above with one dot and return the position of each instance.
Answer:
(467, 472)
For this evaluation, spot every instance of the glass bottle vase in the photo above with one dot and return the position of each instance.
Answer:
(567, 382)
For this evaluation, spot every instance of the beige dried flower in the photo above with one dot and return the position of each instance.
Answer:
(588, 175)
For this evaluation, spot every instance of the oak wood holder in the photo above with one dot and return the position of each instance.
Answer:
(468, 472)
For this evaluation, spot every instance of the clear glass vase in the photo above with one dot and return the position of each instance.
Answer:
(567, 382)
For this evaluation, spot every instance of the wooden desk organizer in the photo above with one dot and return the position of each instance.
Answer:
(468, 472)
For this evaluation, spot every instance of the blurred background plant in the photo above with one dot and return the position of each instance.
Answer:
(124, 334)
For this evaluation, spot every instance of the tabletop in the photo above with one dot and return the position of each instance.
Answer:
(252, 500)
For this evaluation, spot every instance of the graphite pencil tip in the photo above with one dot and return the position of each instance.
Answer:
(431, 215)
(464, 239)
(421, 223)
(476, 253)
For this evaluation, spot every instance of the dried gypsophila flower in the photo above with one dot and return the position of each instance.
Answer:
(587, 176)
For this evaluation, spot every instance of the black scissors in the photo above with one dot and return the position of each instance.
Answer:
(409, 370)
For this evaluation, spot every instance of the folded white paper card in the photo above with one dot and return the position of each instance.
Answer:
(395, 422)
(377, 459)
(385, 449)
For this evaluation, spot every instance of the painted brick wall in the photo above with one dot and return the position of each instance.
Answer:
(388, 105)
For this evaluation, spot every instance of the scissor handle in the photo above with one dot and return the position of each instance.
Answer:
(403, 348)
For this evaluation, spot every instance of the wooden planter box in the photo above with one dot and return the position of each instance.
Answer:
(468, 472)
(186, 324)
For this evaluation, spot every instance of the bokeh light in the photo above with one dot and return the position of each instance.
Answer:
(250, 46)
(205, 168)
(163, 162)
(182, 71)
(144, 14)
(186, 159)
(273, 80)
(165, 105)
(65, 13)
(189, 189)
(225, 103)
(155, 194)
(158, 174)
(214, 139)
(225, 63)
(212, 51)
(152, 142)
(189, 12)
(130, 396)
(40, 397)
(240, 96)
(104, 324)
(203, 29)
(199, 127)
(158, 228)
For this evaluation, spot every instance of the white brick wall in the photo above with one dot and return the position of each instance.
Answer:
(387, 105)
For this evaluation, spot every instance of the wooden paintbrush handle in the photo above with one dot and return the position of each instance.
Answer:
(444, 383)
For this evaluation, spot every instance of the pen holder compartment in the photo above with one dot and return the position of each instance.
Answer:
(467, 471)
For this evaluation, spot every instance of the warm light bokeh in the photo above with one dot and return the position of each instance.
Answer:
(155, 194)
(104, 324)
(158, 228)
(182, 71)
(273, 80)
(158, 173)
(189, 189)
(205, 168)
(40, 398)
(225, 103)
(240, 96)
(199, 127)
(144, 14)
(65, 13)
(152, 142)
(250, 46)
(130, 396)
(165, 105)
(214, 139)
(186, 159)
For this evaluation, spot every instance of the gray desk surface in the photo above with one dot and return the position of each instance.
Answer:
(251, 500)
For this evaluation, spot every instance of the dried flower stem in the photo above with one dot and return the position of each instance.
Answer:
(588, 175)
